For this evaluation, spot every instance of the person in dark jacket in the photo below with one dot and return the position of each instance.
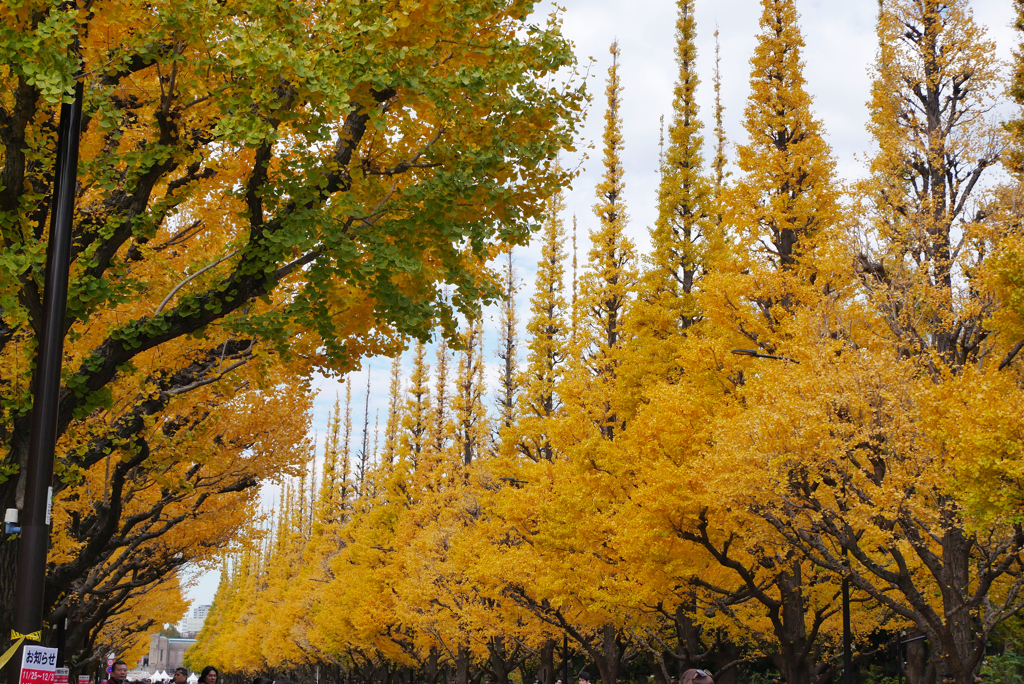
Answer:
(118, 673)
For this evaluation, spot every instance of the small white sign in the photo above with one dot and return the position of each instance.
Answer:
(38, 665)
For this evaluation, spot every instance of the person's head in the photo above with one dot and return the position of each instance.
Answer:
(120, 670)
(697, 677)
(209, 675)
(584, 677)
(180, 675)
(262, 680)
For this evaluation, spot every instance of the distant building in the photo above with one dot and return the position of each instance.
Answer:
(190, 625)
(165, 654)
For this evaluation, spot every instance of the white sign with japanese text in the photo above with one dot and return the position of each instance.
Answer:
(38, 665)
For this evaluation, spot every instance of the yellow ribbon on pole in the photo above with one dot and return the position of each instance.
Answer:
(19, 639)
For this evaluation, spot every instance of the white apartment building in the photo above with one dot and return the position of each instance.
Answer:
(191, 624)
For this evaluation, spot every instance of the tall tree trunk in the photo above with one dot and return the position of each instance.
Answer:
(688, 635)
(462, 666)
(609, 658)
(727, 652)
(659, 667)
(528, 674)
(547, 674)
(919, 667)
(500, 662)
(960, 662)
(794, 657)
(431, 671)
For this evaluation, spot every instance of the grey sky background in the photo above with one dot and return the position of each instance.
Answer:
(840, 48)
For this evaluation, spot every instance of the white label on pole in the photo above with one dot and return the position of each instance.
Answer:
(61, 675)
(49, 503)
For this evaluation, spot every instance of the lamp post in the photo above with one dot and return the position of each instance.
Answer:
(565, 659)
(27, 614)
(847, 631)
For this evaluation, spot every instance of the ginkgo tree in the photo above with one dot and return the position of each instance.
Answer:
(266, 189)
(914, 450)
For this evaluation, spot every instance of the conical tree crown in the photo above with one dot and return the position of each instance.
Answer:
(468, 408)
(547, 327)
(416, 414)
(937, 79)
(328, 508)
(720, 160)
(679, 237)
(537, 401)
(391, 427)
(611, 266)
(683, 239)
(610, 279)
(508, 351)
(788, 192)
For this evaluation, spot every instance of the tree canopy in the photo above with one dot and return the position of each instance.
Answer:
(266, 189)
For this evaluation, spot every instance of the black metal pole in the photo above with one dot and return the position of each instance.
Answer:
(899, 661)
(62, 632)
(35, 516)
(565, 659)
(847, 632)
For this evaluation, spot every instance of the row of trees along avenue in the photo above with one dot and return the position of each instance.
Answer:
(267, 189)
(653, 497)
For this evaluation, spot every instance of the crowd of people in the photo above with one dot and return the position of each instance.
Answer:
(119, 675)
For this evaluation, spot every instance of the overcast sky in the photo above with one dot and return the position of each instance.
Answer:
(840, 47)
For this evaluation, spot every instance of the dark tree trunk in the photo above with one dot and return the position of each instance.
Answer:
(431, 671)
(528, 673)
(919, 667)
(659, 668)
(609, 658)
(726, 653)
(547, 674)
(688, 635)
(462, 666)
(961, 662)
(795, 655)
(501, 663)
